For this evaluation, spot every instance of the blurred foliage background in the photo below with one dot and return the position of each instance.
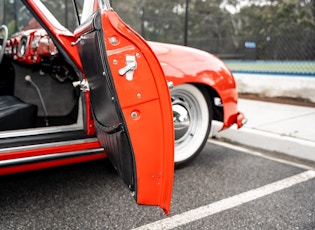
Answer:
(279, 34)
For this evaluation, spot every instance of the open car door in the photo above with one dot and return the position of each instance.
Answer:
(131, 106)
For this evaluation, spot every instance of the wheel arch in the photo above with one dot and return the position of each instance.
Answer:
(185, 65)
(212, 98)
(223, 99)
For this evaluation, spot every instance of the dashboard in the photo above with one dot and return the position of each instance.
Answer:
(30, 46)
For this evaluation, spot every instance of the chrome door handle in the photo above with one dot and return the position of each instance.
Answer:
(129, 69)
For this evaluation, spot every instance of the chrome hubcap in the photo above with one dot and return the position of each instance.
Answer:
(181, 119)
(185, 117)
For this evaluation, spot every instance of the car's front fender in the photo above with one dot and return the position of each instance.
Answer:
(188, 65)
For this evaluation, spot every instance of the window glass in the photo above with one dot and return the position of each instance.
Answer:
(61, 13)
(64, 11)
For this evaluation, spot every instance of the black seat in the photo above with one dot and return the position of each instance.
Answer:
(16, 114)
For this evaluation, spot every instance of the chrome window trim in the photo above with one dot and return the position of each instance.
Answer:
(87, 10)
(105, 4)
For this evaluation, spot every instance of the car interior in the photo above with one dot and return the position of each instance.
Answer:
(36, 81)
(36, 95)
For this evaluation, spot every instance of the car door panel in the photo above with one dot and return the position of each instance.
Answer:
(108, 119)
(133, 116)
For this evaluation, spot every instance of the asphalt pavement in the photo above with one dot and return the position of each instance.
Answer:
(223, 188)
(280, 128)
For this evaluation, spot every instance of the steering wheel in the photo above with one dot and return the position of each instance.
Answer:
(4, 40)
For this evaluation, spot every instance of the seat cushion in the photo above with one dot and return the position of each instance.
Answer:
(15, 114)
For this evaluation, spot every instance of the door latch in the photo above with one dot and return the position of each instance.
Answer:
(129, 69)
(84, 85)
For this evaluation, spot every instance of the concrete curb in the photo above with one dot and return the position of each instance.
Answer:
(267, 141)
(272, 85)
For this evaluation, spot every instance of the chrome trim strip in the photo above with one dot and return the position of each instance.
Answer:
(39, 131)
(49, 157)
(48, 145)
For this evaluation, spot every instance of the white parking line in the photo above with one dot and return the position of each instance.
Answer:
(228, 203)
(256, 153)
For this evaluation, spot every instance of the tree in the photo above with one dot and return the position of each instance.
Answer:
(280, 29)
(155, 20)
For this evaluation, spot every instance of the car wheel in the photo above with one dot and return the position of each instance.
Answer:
(192, 121)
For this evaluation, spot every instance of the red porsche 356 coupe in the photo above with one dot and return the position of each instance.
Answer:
(96, 89)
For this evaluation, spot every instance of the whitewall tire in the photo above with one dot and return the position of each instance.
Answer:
(192, 117)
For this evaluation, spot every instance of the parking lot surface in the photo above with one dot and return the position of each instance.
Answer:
(224, 188)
